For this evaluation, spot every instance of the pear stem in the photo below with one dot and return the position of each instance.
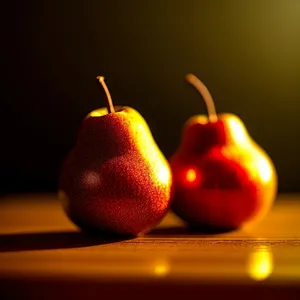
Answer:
(202, 89)
(109, 103)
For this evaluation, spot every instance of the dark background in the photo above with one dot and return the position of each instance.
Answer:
(246, 52)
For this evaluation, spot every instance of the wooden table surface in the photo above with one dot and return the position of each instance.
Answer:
(44, 256)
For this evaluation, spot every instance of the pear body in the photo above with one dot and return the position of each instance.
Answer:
(223, 180)
(116, 179)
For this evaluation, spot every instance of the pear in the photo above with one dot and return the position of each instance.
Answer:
(116, 179)
(223, 180)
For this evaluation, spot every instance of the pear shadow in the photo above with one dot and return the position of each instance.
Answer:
(55, 240)
(194, 231)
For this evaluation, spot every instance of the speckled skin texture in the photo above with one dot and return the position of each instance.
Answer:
(116, 179)
(234, 181)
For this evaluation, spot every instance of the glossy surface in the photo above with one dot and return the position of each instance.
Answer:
(222, 178)
(116, 179)
(45, 256)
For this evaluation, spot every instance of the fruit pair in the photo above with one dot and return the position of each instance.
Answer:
(117, 180)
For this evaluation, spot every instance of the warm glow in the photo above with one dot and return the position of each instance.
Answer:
(265, 171)
(161, 269)
(164, 174)
(95, 113)
(146, 145)
(240, 135)
(191, 175)
(260, 265)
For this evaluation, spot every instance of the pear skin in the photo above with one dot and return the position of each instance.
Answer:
(116, 179)
(223, 179)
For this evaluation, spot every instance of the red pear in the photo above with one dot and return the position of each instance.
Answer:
(115, 179)
(222, 178)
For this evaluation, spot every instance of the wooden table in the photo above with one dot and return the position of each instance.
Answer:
(44, 256)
